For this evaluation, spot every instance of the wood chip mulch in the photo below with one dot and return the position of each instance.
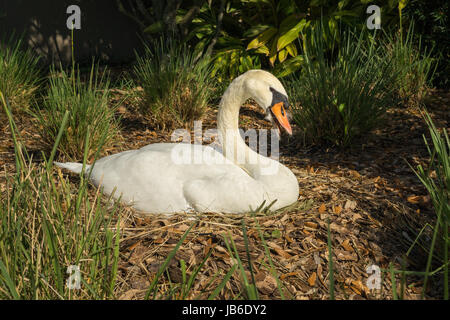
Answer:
(372, 199)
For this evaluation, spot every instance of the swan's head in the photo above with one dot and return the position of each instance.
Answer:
(270, 94)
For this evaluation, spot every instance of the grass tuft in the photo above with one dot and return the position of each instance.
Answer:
(46, 226)
(176, 87)
(413, 66)
(342, 93)
(19, 74)
(88, 104)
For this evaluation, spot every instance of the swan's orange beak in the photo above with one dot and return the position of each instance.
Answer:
(281, 117)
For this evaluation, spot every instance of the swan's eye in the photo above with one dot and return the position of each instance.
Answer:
(282, 111)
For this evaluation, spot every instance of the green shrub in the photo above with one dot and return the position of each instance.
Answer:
(341, 93)
(413, 67)
(176, 87)
(47, 225)
(19, 74)
(89, 110)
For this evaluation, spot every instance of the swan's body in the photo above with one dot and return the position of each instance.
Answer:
(152, 180)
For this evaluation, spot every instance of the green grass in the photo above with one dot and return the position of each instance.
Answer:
(46, 226)
(176, 87)
(20, 77)
(413, 65)
(89, 110)
(436, 179)
(343, 93)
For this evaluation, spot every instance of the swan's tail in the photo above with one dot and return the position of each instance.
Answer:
(72, 166)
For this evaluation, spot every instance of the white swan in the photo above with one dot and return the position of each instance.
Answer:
(153, 180)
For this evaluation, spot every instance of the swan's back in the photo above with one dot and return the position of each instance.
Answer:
(151, 181)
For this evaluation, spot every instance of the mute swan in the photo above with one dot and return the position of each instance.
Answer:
(151, 180)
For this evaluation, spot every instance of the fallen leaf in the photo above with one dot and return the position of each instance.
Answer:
(134, 245)
(310, 224)
(414, 199)
(284, 276)
(279, 250)
(322, 208)
(357, 286)
(312, 279)
(337, 209)
(347, 246)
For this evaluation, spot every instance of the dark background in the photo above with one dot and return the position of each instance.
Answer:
(105, 33)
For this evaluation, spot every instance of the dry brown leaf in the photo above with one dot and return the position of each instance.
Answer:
(284, 276)
(310, 224)
(414, 199)
(282, 253)
(337, 209)
(322, 208)
(347, 246)
(134, 245)
(312, 279)
(279, 250)
(357, 286)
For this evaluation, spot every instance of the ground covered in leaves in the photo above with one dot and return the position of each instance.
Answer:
(372, 199)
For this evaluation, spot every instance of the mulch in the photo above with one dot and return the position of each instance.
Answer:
(368, 195)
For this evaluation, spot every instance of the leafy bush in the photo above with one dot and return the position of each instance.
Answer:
(89, 110)
(248, 34)
(47, 226)
(342, 92)
(176, 86)
(19, 74)
(413, 67)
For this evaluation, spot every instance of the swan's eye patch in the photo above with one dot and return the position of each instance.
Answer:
(278, 97)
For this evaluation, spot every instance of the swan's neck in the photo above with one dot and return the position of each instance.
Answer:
(234, 147)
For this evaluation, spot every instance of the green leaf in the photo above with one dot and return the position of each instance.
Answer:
(290, 35)
(282, 55)
(262, 39)
(273, 52)
(263, 49)
(256, 30)
(289, 66)
(402, 4)
(292, 49)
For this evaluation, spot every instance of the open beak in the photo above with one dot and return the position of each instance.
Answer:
(281, 118)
